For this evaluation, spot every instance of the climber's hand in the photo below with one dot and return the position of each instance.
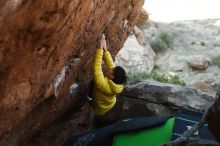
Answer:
(103, 43)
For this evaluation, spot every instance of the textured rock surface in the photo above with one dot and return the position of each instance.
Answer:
(135, 57)
(175, 95)
(144, 15)
(199, 61)
(46, 50)
(150, 98)
(213, 117)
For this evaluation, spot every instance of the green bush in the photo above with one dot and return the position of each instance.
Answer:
(156, 66)
(202, 43)
(135, 77)
(167, 39)
(153, 34)
(176, 80)
(216, 60)
(193, 43)
(162, 42)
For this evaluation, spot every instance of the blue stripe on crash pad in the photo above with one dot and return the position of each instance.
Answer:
(186, 119)
(179, 118)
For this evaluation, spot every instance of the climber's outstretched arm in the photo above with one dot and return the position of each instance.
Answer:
(98, 76)
(107, 56)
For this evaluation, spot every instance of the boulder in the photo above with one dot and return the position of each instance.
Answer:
(175, 95)
(152, 98)
(135, 57)
(200, 62)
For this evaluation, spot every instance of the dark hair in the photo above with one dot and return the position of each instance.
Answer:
(119, 75)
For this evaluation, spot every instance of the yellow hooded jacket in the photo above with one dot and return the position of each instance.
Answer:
(105, 90)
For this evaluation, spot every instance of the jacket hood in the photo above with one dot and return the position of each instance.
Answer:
(116, 88)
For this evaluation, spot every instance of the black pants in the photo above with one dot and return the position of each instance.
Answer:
(104, 120)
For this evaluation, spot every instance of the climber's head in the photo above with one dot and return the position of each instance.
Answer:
(117, 75)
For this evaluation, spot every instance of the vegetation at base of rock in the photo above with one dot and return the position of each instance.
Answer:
(216, 60)
(135, 77)
(162, 42)
(156, 66)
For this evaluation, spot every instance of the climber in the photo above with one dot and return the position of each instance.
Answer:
(107, 86)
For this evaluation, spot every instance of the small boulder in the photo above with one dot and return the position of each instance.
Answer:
(200, 62)
(134, 57)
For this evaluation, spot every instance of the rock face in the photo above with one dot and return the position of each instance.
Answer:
(46, 51)
(144, 15)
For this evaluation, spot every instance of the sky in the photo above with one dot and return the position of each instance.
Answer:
(175, 10)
